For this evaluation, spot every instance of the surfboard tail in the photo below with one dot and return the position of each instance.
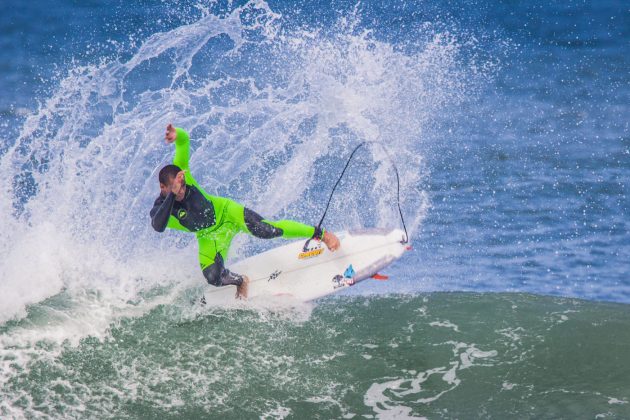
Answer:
(373, 269)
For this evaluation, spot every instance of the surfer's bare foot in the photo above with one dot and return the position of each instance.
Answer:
(241, 291)
(331, 241)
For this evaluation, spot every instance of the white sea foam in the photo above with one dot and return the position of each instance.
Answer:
(445, 324)
(399, 396)
(87, 157)
(616, 401)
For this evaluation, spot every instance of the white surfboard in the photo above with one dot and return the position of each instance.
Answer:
(307, 274)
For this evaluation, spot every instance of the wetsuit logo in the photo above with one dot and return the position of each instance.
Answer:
(181, 214)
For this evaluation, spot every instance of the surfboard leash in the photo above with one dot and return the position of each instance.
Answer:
(391, 161)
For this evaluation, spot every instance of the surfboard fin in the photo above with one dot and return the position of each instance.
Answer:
(381, 277)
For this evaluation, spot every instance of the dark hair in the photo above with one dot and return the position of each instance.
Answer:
(167, 173)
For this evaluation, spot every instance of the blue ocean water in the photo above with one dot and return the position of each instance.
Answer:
(509, 125)
(534, 196)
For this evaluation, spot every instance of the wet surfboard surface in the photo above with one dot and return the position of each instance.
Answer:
(311, 272)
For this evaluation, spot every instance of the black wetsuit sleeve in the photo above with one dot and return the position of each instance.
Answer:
(161, 211)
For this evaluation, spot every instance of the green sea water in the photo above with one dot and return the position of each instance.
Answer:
(439, 355)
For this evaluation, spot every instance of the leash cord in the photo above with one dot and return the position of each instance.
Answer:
(402, 219)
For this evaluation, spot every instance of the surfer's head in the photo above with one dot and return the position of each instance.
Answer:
(166, 177)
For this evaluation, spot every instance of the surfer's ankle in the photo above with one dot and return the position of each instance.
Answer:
(243, 288)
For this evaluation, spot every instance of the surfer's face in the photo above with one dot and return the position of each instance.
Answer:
(176, 185)
(165, 189)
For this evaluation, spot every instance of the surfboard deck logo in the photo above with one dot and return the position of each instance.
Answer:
(311, 252)
(274, 275)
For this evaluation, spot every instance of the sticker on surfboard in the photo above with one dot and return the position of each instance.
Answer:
(274, 275)
(346, 280)
(311, 252)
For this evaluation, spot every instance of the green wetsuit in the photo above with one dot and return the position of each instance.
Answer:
(215, 220)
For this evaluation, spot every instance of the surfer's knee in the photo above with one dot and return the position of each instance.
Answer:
(212, 274)
(258, 227)
(218, 276)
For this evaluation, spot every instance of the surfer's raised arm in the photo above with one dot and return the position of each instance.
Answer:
(172, 180)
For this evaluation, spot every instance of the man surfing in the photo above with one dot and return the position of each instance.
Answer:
(185, 206)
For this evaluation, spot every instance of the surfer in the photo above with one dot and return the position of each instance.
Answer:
(185, 206)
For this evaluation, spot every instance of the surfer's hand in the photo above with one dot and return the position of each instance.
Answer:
(171, 134)
(178, 183)
(331, 241)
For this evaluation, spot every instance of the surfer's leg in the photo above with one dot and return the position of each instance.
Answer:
(267, 229)
(258, 227)
(211, 258)
(213, 249)
(251, 222)
(217, 275)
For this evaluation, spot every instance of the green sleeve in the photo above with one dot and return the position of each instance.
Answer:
(182, 154)
(182, 149)
(173, 223)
